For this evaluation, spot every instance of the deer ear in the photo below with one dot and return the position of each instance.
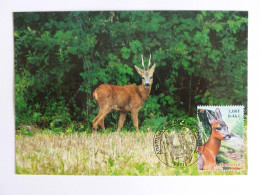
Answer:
(210, 117)
(151, 70)
(218, 114)
(139, 70)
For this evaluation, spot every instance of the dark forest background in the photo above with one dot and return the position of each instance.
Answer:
(61, 57)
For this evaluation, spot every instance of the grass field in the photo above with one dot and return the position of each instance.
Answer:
(125, 153)
(83, 154)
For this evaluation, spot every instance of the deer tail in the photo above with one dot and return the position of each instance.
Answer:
(95, 95)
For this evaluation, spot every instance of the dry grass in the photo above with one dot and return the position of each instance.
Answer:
(83, 154)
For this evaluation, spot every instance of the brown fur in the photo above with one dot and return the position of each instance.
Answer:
(129, 98)
(209, 150)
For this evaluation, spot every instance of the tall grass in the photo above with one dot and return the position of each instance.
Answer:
(124, 153)
(83, 154)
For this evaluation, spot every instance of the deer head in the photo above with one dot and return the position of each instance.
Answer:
(219, 127)
(147, 75)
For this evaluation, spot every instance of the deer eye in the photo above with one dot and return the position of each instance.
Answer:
(143, 78)
(151, 77)
(218, 128)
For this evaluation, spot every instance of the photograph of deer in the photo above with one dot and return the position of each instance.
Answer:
(209, 151)
(129, 98)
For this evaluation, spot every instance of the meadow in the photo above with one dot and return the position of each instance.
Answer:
(124, 153)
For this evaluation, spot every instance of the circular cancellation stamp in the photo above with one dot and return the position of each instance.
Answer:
(175, 149)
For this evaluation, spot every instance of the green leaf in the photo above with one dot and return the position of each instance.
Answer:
(218, 27)
(125, 52)
(219, 15)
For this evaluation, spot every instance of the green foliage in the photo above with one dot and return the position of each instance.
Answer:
(22, 82)
(61, 57)
(24, 131)
(223, 159)
(225, 145)
(185, 122)
(238, 129)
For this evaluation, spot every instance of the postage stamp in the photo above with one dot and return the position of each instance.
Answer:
(173, 148)
(221, 139)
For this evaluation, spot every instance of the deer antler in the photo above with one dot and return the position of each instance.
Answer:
(149, 62)
(143, 61)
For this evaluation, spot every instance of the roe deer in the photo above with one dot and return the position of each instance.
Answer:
(129, 98)
(209, 150)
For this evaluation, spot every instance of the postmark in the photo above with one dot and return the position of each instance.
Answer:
(175, 148)
(221, 139)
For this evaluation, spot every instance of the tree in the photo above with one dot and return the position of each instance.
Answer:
(61, 57)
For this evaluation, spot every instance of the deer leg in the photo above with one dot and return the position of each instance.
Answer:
(102, 124)
(135, 120)
(95, 124)
(101, 115)
(121, 120)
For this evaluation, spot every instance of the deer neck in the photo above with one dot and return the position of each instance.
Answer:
(213, 145)
(144, 91)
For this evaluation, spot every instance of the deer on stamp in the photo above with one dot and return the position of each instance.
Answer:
(124, 99)
(209, 150)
